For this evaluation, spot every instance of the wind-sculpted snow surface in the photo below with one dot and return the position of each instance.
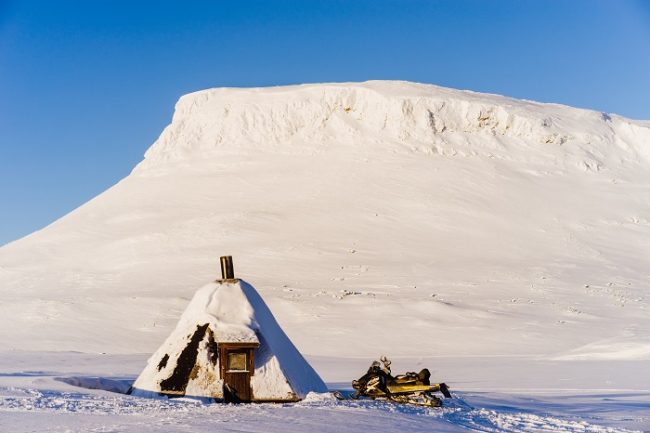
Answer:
(80, 392)
(83, 412)
(380, 217)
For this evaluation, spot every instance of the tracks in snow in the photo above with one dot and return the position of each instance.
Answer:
(131, 412)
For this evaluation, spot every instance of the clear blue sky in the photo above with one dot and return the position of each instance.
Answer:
(87, 86)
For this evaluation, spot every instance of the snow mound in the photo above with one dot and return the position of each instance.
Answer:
(611, 350)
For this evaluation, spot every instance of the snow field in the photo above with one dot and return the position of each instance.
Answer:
(66, 392)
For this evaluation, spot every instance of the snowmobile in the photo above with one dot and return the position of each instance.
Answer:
(410, 388)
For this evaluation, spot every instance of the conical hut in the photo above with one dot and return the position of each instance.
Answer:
(228, 346)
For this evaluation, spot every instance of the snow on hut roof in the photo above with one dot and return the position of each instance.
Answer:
(235, 334)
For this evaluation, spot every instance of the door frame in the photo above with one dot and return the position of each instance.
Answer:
(249, 350)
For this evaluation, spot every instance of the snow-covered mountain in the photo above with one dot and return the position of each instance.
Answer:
(372, 217)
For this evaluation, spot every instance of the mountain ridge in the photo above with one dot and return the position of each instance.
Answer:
(397, 116)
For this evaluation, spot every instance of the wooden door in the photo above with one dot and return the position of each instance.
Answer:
(237, 376)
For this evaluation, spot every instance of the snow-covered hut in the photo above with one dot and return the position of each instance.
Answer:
(228, 346)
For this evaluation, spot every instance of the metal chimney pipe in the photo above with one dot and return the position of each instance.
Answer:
(227, 270)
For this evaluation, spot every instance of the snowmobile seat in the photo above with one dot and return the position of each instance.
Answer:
(421, 378)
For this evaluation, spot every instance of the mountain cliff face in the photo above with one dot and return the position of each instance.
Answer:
(396, 117)
(373, 217)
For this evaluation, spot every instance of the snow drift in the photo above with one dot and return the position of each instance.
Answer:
(378, 217)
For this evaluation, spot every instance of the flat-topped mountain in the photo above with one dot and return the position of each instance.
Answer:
(372, 217)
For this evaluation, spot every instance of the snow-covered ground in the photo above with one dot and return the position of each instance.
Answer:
(45, 392)
(502, 243)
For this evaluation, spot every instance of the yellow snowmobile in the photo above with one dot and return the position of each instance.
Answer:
(410, 388)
